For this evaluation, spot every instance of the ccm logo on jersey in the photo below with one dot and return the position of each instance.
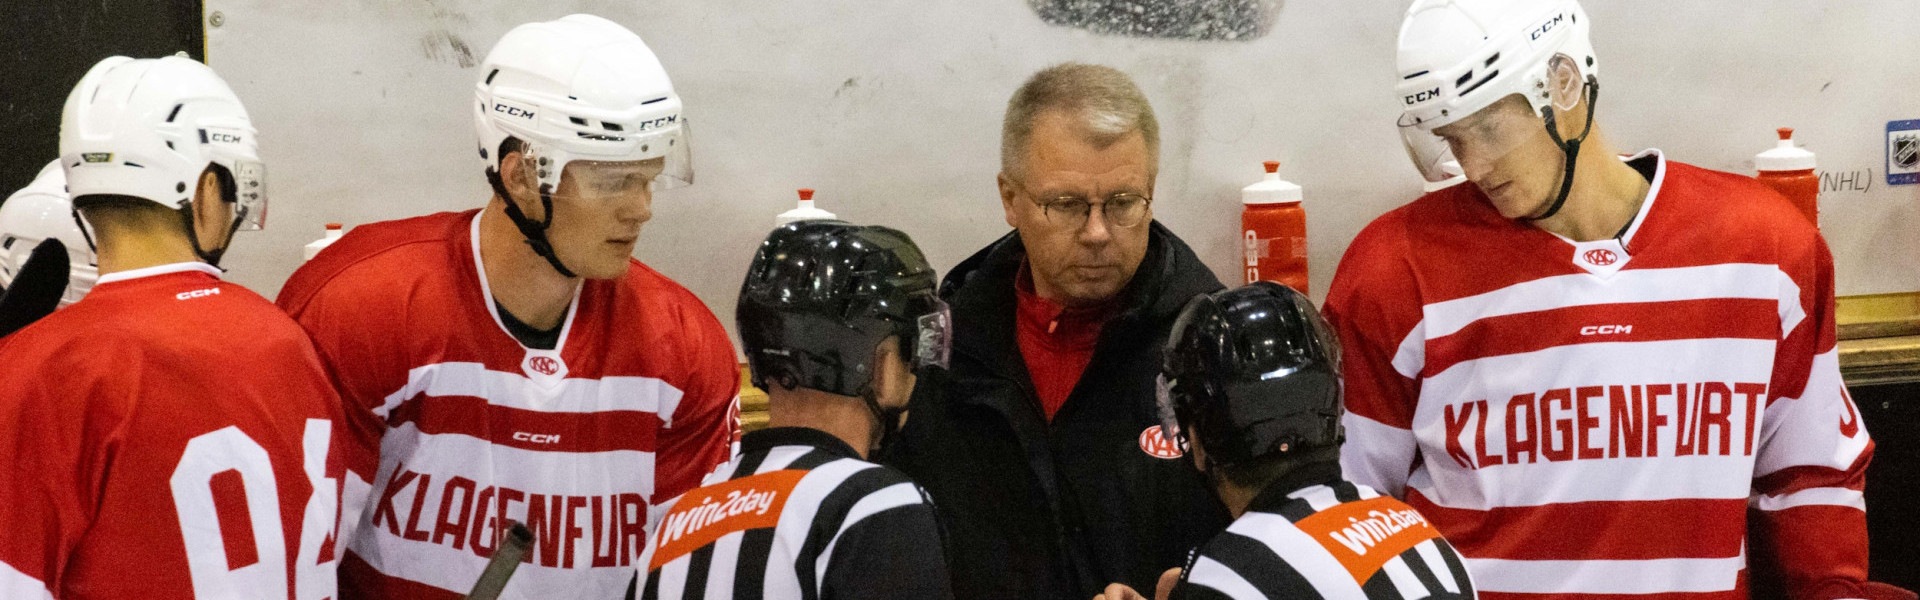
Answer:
(1606, 329)
(536, 438)
(214, 291)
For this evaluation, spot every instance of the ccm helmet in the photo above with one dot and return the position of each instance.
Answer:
(821, 295)
(577, 88)
(1457, 57)
(41, 212)
(147, 128)
(1257, 372)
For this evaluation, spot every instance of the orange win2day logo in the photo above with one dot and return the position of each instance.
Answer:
(1366, 534)
(704, 515)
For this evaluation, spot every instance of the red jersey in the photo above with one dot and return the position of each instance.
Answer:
(168, 436)
(1595, 418)
(637, 401)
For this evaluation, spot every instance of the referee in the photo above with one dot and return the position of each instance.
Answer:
(835, 319)
(1255, 392)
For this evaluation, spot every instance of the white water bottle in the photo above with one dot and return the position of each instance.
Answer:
(804, 212)
(333, 233)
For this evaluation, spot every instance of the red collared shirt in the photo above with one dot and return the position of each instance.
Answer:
(1056, 341)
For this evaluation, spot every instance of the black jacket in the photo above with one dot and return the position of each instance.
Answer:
(1057, 510)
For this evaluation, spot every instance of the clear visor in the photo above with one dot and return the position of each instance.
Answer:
(1485, 137)
(933, 345)
(678, 170)
(250, 191)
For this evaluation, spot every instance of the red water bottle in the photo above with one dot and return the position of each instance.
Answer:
(1273, 231)
(1789, 170)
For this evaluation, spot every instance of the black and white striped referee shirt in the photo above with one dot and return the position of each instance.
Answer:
(1331, 540)
(796, 515)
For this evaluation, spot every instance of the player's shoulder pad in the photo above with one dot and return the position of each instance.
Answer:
(366, 243)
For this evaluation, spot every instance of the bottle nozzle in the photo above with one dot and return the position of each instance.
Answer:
(1273, 166)
(333, 227)
(1786, 133)
(806, 193)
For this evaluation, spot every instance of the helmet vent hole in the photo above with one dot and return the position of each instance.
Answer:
(170, 145)
(490, 76)
(1464, 78)
(660, 99)
(1481, 82)
(132, 164)
(1491, 59)
(1414, 75)
(610, 126)
(175, 113)
(578, 121)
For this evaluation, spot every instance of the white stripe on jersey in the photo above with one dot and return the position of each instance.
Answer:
(21, 586)
(893, 496)
(1812, 497)
(726, 562)
(532, 471)
(1724, 280)
(1668, 478)
(1300, 550)
(1212, 574)
(1438, 564)
(1655, 576)
(1405, 582)
(1371, 448)
(513, 390)
(1786, 445)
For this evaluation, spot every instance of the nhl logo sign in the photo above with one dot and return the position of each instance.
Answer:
(1903, 152)
(1906, 151)
(1600, 257)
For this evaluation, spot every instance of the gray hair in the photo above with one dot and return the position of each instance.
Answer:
(1107, 104)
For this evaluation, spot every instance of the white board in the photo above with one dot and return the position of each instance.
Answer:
(892, 111)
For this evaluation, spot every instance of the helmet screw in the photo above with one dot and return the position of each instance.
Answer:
(216, 19)
(543, 161)
(180, 187)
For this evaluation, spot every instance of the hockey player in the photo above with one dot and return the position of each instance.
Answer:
(39, 212)
(515, 363)
(1585, 368)
(1252, 388)
(170, 434)
(836, 319)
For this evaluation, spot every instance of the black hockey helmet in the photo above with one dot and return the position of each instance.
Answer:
(1257, 370)
(821, 295)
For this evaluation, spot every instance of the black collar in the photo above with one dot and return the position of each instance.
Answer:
(1274, 496)
(767, 439)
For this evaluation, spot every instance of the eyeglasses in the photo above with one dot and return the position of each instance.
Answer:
(1124, 209)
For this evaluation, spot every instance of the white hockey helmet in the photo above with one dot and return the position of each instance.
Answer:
(580, 88)
(1457, 57)
(148, 128)
(36, 213)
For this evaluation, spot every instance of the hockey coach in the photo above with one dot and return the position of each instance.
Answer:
(1043, 450)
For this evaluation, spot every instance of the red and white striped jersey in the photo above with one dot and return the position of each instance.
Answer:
(1594, 419)
(637, 402)
(169, 436)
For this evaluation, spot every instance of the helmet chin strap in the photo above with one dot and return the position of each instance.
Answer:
(888, 428)
(535, 232)
(1569, 147)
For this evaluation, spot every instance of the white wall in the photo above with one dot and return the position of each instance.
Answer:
(891, 109)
